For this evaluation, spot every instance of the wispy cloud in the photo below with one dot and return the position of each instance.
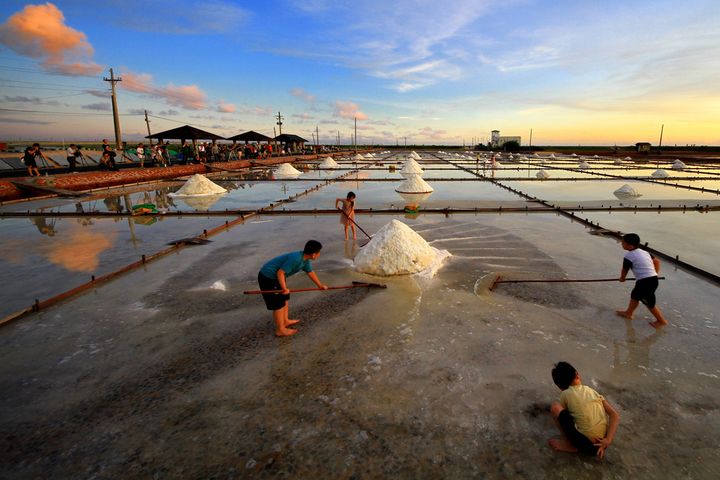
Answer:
(348, 110)
(224, 107)
(40, 32)
(31, 100)
(193, 17)
(300, 93)
(102, 107)
(190, 97)
(24, 121)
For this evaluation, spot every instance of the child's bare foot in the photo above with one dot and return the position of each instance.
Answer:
(624, 314)
(658, 324)
(286, 332)
(291, 322)
(561, 445)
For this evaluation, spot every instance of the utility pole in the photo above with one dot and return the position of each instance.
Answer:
(317, 136)
(116, 117)
(661, 134)
(531, 139)
(147, 122)
(355, 134)
(279, 121)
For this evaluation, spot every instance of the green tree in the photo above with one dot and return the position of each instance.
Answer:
(511, 146)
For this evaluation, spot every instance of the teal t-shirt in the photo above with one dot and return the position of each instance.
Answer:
(290, 263)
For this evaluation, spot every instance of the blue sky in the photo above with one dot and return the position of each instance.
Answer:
(447, 72)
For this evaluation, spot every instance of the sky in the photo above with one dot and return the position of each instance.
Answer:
(417, 72)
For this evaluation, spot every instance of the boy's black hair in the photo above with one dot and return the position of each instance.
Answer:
(350, 194)
(632, 239)
(563, 375)
(312, 246)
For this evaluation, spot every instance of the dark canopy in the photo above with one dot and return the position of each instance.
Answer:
(185, 132)
(251, 136)
(289, 138)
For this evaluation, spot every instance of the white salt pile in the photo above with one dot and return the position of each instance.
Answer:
(414, 155)
(286, 170)
(584, 165)
(678, 164)
(414, 184)
(199, 185)
(329, 162)
(660, 173)
(542, 174)
(618, 161)
(574, 155)
(411, 167)
(358, 157)
(628, 158)
(626, 191)
(396, 249)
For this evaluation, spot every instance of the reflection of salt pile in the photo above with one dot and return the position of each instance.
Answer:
(199, 185)
(200, 202)
(584, 165)
(542, 174)
(286, 170)
(626, 191)
(678, 164)
(660, 173)
(396, 249)
(329, 162)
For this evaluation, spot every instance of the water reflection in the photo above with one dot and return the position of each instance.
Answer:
(637, 361)
(78, 249)
(43, 226)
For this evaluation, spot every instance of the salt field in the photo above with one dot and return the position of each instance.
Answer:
(170, 371)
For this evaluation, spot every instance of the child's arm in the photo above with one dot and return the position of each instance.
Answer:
(656, 264)
(604, 443)
(625, 269)
(316, 280)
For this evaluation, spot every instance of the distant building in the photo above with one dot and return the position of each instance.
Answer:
(496, 141)
(643, 147)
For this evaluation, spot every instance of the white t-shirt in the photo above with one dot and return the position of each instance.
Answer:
(70, 152)
(641, 263)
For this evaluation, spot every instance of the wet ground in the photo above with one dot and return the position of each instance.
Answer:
(170, 371)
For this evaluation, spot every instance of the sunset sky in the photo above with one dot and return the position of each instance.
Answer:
(433, 72)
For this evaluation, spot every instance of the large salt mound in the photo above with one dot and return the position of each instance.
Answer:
(626, 191)
(397, 249)
(329, 162)
(414, 184)
(660, 173)
(411, 167)
(199, 185)
(286, 170)
(678, 164)
(358, 157)
(542, 174)
(414, 155)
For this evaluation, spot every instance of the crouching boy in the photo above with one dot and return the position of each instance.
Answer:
(581, 416)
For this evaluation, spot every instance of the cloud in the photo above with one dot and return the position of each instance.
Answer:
(103, 107)
(348, 110)
(31, 100)
(302, 116)
(195, 17)
(428, 132)
(300, 93)
(168, 113)
(138, 111)
(39, 31)
(226, 107)
(190, 97)
(24, 121)
(98, 93)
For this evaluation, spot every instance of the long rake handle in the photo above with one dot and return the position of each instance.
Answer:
(255, 292)
(563, 280)
(353, 221)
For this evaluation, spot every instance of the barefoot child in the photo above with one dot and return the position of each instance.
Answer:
(581, 416)
(273, 276)
(347, 217)
(646, 269)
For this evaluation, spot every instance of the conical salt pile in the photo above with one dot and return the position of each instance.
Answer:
(397, 249)
(199, 185)
(411, 167)
(329, 162)
(414, 184)
(414, 155)
(358, 157)
(618, 161)
(660, 173)
(626, 191)
(678, 164)
(584, 165)
(628, 158)
(286, 170)
(542, 174)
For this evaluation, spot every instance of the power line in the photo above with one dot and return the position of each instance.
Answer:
(41, 112)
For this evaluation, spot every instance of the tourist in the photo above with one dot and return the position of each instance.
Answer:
(39, 153)
(107, 162)
(347, 216)
(28, 159)
(581, 416)
(140, 152)
(273, 275)
(110, 151)
(71, 159)
(646, 268)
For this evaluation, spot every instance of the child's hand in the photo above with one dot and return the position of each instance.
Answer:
(602, 444)
(323, 287)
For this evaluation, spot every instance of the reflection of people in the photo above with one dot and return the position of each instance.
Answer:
(43, 227)
(638, 355)
(645, 267)
(273, 275)
(347, 217)
(582, 415)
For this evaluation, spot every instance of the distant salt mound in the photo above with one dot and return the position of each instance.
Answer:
(618, 161)
(397, 249)
(573, 155)
(414, 155)
(542, 174)
(628, 158)
(411, 167)
(358, 157)
(286, 170)
(199, 185)
(660, 173)
(584, 165)
(329, 162)
(626, 191)
(414, 184)
(678, 164)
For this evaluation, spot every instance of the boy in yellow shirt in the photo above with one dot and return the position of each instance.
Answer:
(581, 416)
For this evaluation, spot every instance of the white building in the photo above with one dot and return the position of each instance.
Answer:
(496, 141)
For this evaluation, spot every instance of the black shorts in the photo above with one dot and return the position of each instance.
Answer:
(30, 162)
(644, 291)
(577, 439)
(273, 301)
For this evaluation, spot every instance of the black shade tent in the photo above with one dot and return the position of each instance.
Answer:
(251, 136)
(186, 132)
(290, 139)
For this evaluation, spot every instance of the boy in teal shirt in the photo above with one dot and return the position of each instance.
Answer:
(273, 276)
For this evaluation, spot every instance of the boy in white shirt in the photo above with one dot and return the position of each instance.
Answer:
(646, 268)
